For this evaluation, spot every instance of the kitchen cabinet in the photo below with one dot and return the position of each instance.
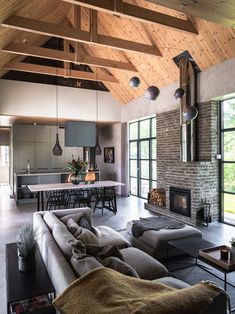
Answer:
(43, 157)
(27, 154)
(42, 134)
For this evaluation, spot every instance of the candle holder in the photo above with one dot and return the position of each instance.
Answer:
(224, 254)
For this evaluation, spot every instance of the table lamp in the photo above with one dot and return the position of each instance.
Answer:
(90, 177)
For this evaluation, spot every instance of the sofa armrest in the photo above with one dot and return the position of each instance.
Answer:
(218, 306)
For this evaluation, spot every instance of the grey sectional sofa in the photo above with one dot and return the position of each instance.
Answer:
(62, 275)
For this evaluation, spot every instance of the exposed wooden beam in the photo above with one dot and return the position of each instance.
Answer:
(60, 31)
(53, 54)
(128, 10)
(42, 69)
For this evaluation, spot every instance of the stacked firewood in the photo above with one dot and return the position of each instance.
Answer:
(157, 197)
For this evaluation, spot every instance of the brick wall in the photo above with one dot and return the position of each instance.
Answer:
(201, 177)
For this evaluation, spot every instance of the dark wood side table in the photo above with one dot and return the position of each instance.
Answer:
(20, 285)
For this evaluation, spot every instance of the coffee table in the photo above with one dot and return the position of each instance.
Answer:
(192, 246)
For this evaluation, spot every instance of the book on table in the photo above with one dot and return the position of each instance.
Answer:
(34, 305)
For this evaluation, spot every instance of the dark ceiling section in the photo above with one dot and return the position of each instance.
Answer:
(54, 43)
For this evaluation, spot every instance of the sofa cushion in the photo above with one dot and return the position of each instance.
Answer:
(172, 282)
(84, 223)
(63, 238)
(87, 213)
(51, 220)
(82, 234)
(146, 266)
(84, 264)
(76, 217)
(73, 227)
(120, 266)
(109, 237)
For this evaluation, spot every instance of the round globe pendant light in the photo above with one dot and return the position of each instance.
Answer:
(190, 113)
(134, 81)
(152, 92)
(179, 93)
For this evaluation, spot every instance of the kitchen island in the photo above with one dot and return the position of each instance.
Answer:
(23, 179)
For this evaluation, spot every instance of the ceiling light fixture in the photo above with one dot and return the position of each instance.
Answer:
(57, 150)
(134, 81)
(152, 92)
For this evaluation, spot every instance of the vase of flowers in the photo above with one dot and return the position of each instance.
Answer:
(26, 247)
(77, 168)
(232, 249)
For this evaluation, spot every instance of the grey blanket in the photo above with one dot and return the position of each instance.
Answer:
(154, 223)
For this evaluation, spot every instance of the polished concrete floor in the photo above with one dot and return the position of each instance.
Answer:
(12, 217)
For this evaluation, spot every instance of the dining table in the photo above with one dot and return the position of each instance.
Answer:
(41, 188)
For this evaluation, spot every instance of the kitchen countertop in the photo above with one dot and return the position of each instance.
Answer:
(25, 174)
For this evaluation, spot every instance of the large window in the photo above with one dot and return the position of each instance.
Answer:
(228, 160)
(142, 156)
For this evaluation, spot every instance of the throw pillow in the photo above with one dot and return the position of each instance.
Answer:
(76, 216)
(63, 239)
(73, 227)
(120, 266)
(84, 223)
(107, 251)
(85, 264)
(51, 220)
(87, 237)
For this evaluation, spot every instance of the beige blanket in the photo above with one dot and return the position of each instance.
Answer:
(106, 291)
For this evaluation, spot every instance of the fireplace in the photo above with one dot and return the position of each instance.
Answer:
(180, 201)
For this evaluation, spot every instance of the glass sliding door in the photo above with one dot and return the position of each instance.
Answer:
(228, 160)
(142, 156)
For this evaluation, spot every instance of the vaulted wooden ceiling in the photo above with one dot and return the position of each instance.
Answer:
(213, 44)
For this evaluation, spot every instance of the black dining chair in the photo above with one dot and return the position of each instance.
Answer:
(105, 198)
(79, 198)
(57, 199)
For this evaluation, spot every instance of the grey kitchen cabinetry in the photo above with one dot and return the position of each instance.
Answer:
(35, 143)
(42, 134)
(27, 154)
(43, 157)
(27, 133)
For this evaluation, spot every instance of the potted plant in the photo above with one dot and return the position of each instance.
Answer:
(26, 245)
(232, 249)
(77, 167)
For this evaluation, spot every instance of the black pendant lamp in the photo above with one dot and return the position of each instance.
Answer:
(98, 150)
(57, 150)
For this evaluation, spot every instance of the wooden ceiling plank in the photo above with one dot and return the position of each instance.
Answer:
(44, 28)
(138, 13)
(28, 50)
(42, 69)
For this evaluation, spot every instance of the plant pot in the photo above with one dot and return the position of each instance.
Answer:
(76, 178)
(232, 253)
(26, 264)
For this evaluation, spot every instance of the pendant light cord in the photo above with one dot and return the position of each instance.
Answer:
(97, 86)
(57, 119)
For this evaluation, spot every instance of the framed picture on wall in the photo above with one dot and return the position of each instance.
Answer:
(109, 155)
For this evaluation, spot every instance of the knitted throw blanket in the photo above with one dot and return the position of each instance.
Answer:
(154, 223)
(104, 290)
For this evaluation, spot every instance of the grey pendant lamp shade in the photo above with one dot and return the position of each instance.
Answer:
(57, 150)
(98, 150)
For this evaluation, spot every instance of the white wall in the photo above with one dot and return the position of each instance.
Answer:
(39, 100)
(215, 82)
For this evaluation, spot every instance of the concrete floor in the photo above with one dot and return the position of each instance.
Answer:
(12, 217)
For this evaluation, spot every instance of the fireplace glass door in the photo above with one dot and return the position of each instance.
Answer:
(227, 186)
(142, 156)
